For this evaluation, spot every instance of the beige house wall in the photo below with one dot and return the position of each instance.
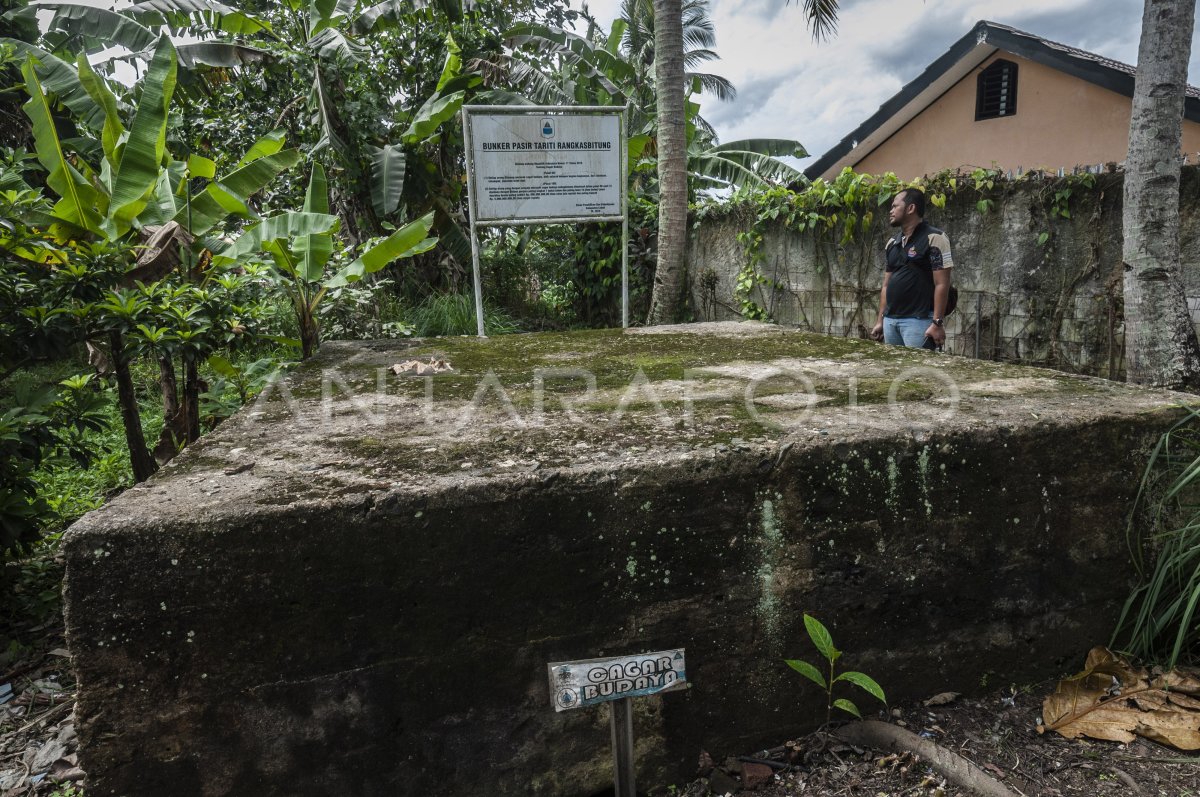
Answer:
(1061, 121)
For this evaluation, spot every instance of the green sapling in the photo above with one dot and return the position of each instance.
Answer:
(824, 643)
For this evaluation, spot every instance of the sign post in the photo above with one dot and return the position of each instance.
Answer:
(622, 745)
(575, 684)
(532, 164)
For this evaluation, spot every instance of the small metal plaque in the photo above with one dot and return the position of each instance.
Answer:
(575, 684)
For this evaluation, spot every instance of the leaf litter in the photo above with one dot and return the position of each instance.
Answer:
(417, 368)
(38, 744)
(1114, 701)
(997, 732)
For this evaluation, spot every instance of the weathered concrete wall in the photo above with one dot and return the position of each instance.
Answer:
(369, 608)
(1057, 304)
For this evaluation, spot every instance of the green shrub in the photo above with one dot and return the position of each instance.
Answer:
(454, 314)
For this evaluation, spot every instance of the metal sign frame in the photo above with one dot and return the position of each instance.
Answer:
(568, 691)
(472, 197)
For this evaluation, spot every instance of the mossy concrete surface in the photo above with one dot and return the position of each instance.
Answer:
(354, 586)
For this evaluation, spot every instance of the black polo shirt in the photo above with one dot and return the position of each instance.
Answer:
(912, 263)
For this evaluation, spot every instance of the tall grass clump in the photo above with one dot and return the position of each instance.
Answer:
(1159, 623)
(454, 314)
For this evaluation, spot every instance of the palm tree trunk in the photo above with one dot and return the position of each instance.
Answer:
(1160, 339)
(670, 277)
(143, 464)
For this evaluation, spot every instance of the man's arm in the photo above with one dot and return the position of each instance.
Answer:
(941, 294)
(877, 331)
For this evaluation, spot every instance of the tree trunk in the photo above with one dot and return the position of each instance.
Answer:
(310, 331)
(1160, 341)
(139, 456)
(174, 430)
(191, 397)
(670, 276)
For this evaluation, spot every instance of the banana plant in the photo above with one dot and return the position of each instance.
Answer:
(556, 66)
(327, 40)
(137, 183)
(301, 245)
(81, 27)
(136, 188)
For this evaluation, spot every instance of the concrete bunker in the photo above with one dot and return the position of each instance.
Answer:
(354, 586)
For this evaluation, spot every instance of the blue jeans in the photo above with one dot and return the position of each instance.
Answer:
(906, 331)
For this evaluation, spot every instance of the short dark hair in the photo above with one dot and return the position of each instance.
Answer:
(914, 196)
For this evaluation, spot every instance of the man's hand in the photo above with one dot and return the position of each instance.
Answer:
(938, 334)
(877, 332)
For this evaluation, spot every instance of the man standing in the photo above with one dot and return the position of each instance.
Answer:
(916, 282)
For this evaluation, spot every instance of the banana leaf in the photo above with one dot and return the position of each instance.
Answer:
(330, 137)
(105, 28)
(320, 15)
(313, 251)
(462, 83)
(88, 149)
(599, 64)
(615, 34)
(501, 97)
(411, 239)
(98, 90)
(230, 201)
(78, 199)
(210, 206)
(450, 234)
(183, 13)
(453, 66)
(436, 110)
(387, 178)
(220, 54)
(269, 144)
(285, 226)
(161, 207)
(390, 12)
(634, 147)
(200, 166)
(141, 159)
(60, 79)
(333, 45)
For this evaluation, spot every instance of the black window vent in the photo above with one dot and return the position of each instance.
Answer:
(996, 93)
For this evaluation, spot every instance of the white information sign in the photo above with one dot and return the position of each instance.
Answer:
(574, 684)
(544, 166)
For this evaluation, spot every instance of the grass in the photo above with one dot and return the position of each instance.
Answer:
(443, 314)
(1159, 621)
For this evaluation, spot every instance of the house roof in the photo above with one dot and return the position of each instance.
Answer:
(983, 41)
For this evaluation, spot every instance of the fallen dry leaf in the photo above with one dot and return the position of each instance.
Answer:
(1113, 701)
(942, 698)
(435, 365)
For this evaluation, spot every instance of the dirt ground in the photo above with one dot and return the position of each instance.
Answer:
(37, 724)
(998, 733)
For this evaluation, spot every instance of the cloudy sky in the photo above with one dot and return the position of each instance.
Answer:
(790, 87)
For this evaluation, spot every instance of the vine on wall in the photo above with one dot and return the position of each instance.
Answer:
(844, 210)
